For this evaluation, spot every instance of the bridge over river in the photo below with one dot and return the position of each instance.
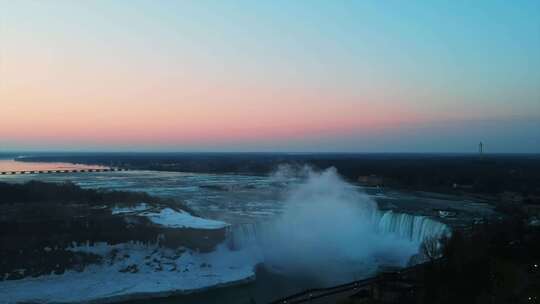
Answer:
(61, 171)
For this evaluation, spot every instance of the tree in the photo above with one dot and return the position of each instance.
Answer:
(431, 248)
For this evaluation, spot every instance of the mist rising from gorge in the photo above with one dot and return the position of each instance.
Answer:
(328, 231)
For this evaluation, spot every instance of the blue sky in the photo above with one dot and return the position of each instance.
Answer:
(354, 76)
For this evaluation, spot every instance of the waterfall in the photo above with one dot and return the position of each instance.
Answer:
(415, 228)
(327, 223)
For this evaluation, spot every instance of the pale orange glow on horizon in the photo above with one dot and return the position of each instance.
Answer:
(182, 75)
(74, 103)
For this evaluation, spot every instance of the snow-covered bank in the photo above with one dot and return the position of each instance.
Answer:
(199, 260)
(170, 218)
(134, 271)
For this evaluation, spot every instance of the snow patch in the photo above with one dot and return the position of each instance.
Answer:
(130, 271)
(170, 218)
(138, 208)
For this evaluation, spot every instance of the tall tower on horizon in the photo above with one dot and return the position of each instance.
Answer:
(481, 148)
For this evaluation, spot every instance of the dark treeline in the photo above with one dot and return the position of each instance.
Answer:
(496, 263)
(436, 172)
(36, 191)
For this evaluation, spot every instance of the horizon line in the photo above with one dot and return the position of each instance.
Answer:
(249, 152)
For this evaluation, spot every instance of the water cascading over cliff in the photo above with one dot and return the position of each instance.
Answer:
(330, 229)
(415, 228)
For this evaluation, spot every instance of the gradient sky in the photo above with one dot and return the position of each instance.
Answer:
(351, 76)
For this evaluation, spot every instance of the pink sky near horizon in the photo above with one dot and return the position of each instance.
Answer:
(66, 106)
(334, 75)
(60, 100)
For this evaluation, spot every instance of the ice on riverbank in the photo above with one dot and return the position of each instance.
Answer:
(170, 218)
(130, 271)
(133, 209)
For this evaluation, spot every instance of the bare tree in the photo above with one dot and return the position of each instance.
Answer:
(431, 248)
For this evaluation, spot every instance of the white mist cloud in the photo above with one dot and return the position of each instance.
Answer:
(328, 232)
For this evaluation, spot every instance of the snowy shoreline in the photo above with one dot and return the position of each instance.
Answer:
(137, 270)
(139, 295)
(170, 218)
(159, 273)
(164, 294)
